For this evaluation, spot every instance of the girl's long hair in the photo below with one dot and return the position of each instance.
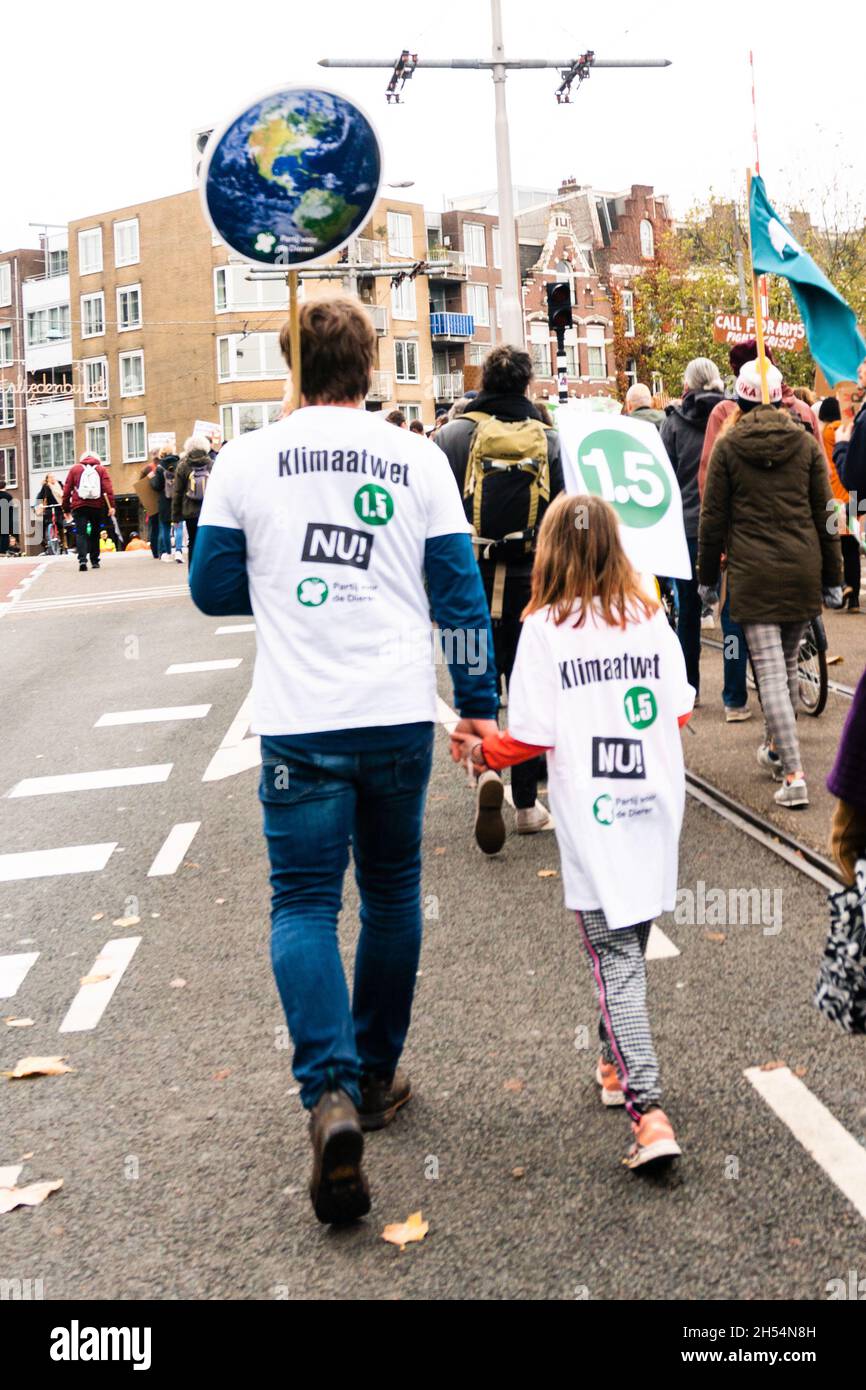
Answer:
(579, 558)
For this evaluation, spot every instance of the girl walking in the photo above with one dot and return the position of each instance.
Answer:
(600, 684)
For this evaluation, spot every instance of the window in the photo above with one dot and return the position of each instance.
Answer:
(7, 407)
(90, 251)
(478, 304)
(658, 385)
(6, 345)
(92, 315)
(52, 449)
(250, 355)
(403, 300)
(628, 311)
(58, 263)
(8, 468)
(5, 283)
(132, 374)
(647, 240)
(48, 325)
(631, 371)
(406, 359)
(497, 247)
(411, 411)
(240, 419)
(96, 441)
(233, 290)
(475, 243)
(134, 434)
(126, 249)
(539, 348)
(400, 233)
(596, 352)
(128, 308)
(96, 379)
(475, 354)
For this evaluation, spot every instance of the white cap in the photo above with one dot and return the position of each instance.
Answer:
(749, 383)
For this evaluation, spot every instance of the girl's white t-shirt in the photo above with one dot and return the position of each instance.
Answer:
(606, 701)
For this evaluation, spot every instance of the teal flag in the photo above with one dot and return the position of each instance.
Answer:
(831, 325)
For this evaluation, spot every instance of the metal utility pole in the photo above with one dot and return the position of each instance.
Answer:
(571, 70)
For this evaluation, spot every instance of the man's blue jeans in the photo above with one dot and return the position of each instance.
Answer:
(317, 804)
(735, 660)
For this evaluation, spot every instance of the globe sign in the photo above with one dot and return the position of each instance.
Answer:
(293, 177)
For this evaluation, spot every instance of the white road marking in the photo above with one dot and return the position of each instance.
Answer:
(174, 847)
(17, 594)
(659, 946)
(151, 716)
(95, 600)
(842, 1158)
(91, 1001)
(238, 627)
(13, 970)
(45, 863)
(187, 668)
(92, 781)
(236, 753)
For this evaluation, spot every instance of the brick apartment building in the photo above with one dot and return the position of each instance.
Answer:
(15, 268)
(465, 300)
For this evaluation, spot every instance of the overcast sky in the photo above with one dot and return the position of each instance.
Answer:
(101, 115)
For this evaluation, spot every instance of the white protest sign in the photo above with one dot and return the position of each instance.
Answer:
(162, 439)
(624, 461)
(213, 432)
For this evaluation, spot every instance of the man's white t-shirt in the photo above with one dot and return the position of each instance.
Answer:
(606, 700)
(336, 505)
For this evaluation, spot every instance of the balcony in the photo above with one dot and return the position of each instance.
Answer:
(450, 264)
(380, 387)
(456, 327)
(447, 386)
(366, 251)
(379, 314)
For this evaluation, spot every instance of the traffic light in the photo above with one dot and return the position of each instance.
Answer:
(559, 306)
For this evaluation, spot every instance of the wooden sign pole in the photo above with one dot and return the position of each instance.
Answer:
(757, 298)
(294, 337)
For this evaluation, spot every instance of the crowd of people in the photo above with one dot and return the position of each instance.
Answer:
(473, 527)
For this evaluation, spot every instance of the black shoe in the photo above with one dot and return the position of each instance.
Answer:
(94, 564)
(82, 567)
(380, 1100)
(339, 1190)
(489, 822)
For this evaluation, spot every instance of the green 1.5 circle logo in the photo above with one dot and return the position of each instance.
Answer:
(374, 504)
(640, 707)
(632, 479)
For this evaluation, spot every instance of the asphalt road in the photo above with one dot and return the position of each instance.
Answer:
(179, 1134)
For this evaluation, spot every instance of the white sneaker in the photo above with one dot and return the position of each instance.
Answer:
(792, 794)
(531, 819)
(166, 559)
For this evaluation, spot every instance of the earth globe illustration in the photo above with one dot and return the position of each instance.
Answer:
(293, 177)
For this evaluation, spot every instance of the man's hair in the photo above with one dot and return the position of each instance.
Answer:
(702, 374)
(396, 417)
(638, 395)
(506, 371)
(416, 426)
(338, 349)
(829, 410)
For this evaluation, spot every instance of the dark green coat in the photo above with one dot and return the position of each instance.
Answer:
(765, 504)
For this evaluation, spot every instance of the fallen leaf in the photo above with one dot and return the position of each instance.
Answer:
(23, 1156)
(800, 1071)
(31, 1196)
(513, 1084)
(176, 984)
(93, 979)
(440, 849)
(222, 1074)
(188, 864)
(548, 873)
(794, 1243)
(97, 916)
(715, 935)
(402, 1233)
(518, 1172)
(18, 1022)
(126, 921)
(772, 1066)
(38, 1066)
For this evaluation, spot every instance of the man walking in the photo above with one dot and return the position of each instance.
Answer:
(325, 525)
(508, 467)
(639, 404)
(86, 493)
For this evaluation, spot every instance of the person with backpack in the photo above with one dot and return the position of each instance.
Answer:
(86, 494)
(190, 484)
(508, 467)
(163, 482)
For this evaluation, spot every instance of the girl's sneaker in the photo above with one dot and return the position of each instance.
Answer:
(654, 1140)
(607, 1077)
(792, 793)
(768, 758)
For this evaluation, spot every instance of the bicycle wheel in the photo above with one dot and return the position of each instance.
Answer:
(812, 674)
